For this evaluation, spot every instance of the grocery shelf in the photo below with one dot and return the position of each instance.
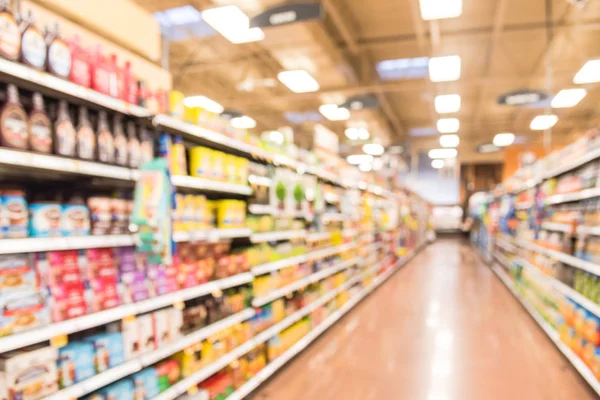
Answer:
(590, 156)
(334, 217)
(276, 236)
(27, 77)
(191, 182)
(315, 236)
(330, 251)
(211, 235)
(259, 180)
(588, 230)
(149, 358)
(579, 365)
(12, 158)
(302, 258)
(506, 246)
(350, 232)
(528, 184)
(557, 227)
(261, 209)
(44, 333)
(575, 196)
(38, 244)
(562, 257)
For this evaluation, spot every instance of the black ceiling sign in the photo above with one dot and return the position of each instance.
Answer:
(231, 114)
(286, 14)
(360, 102)
(521, 97)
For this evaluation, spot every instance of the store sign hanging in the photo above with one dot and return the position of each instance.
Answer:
(522, 97)
(229, 114)
(287, 14)
(361, 102)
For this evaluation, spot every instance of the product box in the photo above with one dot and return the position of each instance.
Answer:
(59, 268)
(175, 316)
(17, 274)
(168, 373)
(75, 220)
(14, 208)
(145, 384)
(45, 219)
(103, 294)
(121, 390)
(71, 304)
(130, 329)
(31, 373)
(146, 332)
(135, 287)
(22, 311)
(160, 320)
(75, 363)
(100, 215)
(3, 388)
(109, 350)
(162, 279)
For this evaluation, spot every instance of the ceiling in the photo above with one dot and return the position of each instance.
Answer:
(503, 44)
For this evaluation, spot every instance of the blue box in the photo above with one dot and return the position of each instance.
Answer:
(109, 350)
(121, 390)
(145, 383)
(75, 363)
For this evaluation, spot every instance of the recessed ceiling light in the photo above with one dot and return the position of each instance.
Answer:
(568, 98)
(298, 81)
(543, 122)
(504, 139)
(437, 164)
(440, 9)
(357, 133)
(276, 137)
(442, 153)
(356, 159)
(233, 24)
(448, 125)
(447, 103)
(374, 149)
(365, 167)
(449, 140)
(487, 148)
(334, 113)
(589, 73)
(244, 122)
(403, 68)
(444, 69)
(204, 102)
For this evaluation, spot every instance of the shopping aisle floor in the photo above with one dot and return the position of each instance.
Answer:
(442, 328)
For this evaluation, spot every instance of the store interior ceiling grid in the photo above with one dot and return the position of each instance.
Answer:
(503, 45)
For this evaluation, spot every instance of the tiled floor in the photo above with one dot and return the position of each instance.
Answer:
(442, 328)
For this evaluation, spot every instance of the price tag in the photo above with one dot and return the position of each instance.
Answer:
(180, 305)
(59, 341)
(129, 319)
(192, 390)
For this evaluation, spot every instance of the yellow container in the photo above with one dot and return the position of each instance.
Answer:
(242, 171)
(176, 107)
(231, 163)
(191, 114)
(218, 165)
(201, 162)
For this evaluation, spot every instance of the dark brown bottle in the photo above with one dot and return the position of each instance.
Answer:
(58, 60)
(86, 139)
(120, 141)
(106, 144)
(13, 121)
(33, 45)
(64, 132)
(39, 127)
(10, 35)
(133, 146)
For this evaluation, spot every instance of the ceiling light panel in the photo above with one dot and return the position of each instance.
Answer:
(504, 139)
(356, 159)
(374, 149)
(589, 73)
(543, 122)
(437, 164)
(244, 122)
(203, 102)
(426, 131)
(357, 133)
(447, 103)
(440, 9)
(365, 167)
(442, 153)
(403, 68)
(298, 81)
(444, 69)
(568, 98)
(233, 24)
(334, 113)
(449, 140)
(448, 125)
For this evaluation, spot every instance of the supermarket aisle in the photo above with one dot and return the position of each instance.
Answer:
(443, 328)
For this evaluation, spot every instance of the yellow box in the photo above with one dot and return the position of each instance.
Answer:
(176, 107)
(231, 163)
(242, 171)
(201, 162)
(191, 114)
(218, 165)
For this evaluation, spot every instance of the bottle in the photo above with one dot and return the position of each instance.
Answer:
(10, 43)
(120, 141)
(133, 146)
(147, 147)
(39, 126)
(33, 45)
(13, 121)
(101, 72)
(58, 61)
(80, 64)
(106, 145)
(178, 164)
(64, 142)
(130, 84)
(86, 139)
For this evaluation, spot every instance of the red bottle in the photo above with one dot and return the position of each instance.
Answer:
(102, 73)
(116, 78)
(130, 83)
(80, 64)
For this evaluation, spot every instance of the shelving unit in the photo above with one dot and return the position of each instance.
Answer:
(276, 236)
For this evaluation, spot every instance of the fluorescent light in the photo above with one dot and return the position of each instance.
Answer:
(298, 81)
(334, 113)
(447, 103)
(365, 167)
(487, 148)
(440, 9)
(449, 140)
(437, 164)
(589, 73)
(444, 69)
(443, 153)
(504, 139)
(377, 164)
(356, 159)
(568, 98)
(448, 125)
(374, 149)
(276, 137)
(403, 68)
(543, 122)
(357, 133)
(204, 102)
(233, 24)
(244, 122)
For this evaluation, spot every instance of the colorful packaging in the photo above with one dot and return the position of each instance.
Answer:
(30, 373)
(100, 215)
(121, 390)
(162, 279)
(22, 311)
(109, 350)
(178, 162)
(75, 220)
(176, 106)
(15, 214)
(201, 162)
(17, 274)
(168, 373)
(75, 363)
(45, 219)
(131, 337)
(146, 332)
(145, 384)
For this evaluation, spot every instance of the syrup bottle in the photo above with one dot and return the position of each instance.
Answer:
(13, 121)
(86, 139)
(120, 141)
(39, 126)
(106, 144)
(33, 45)
(64, 142)
(10, 35)
(80, 64)
(58, 61)
(133, 146)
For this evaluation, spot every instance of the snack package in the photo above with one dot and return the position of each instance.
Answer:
(22, 311)
(15, 214)
(145, 383)
(45, 219)
(75, 220)
(131, 338)
(30, 373)
(17, 274)
(109, 350)
(75, 363)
